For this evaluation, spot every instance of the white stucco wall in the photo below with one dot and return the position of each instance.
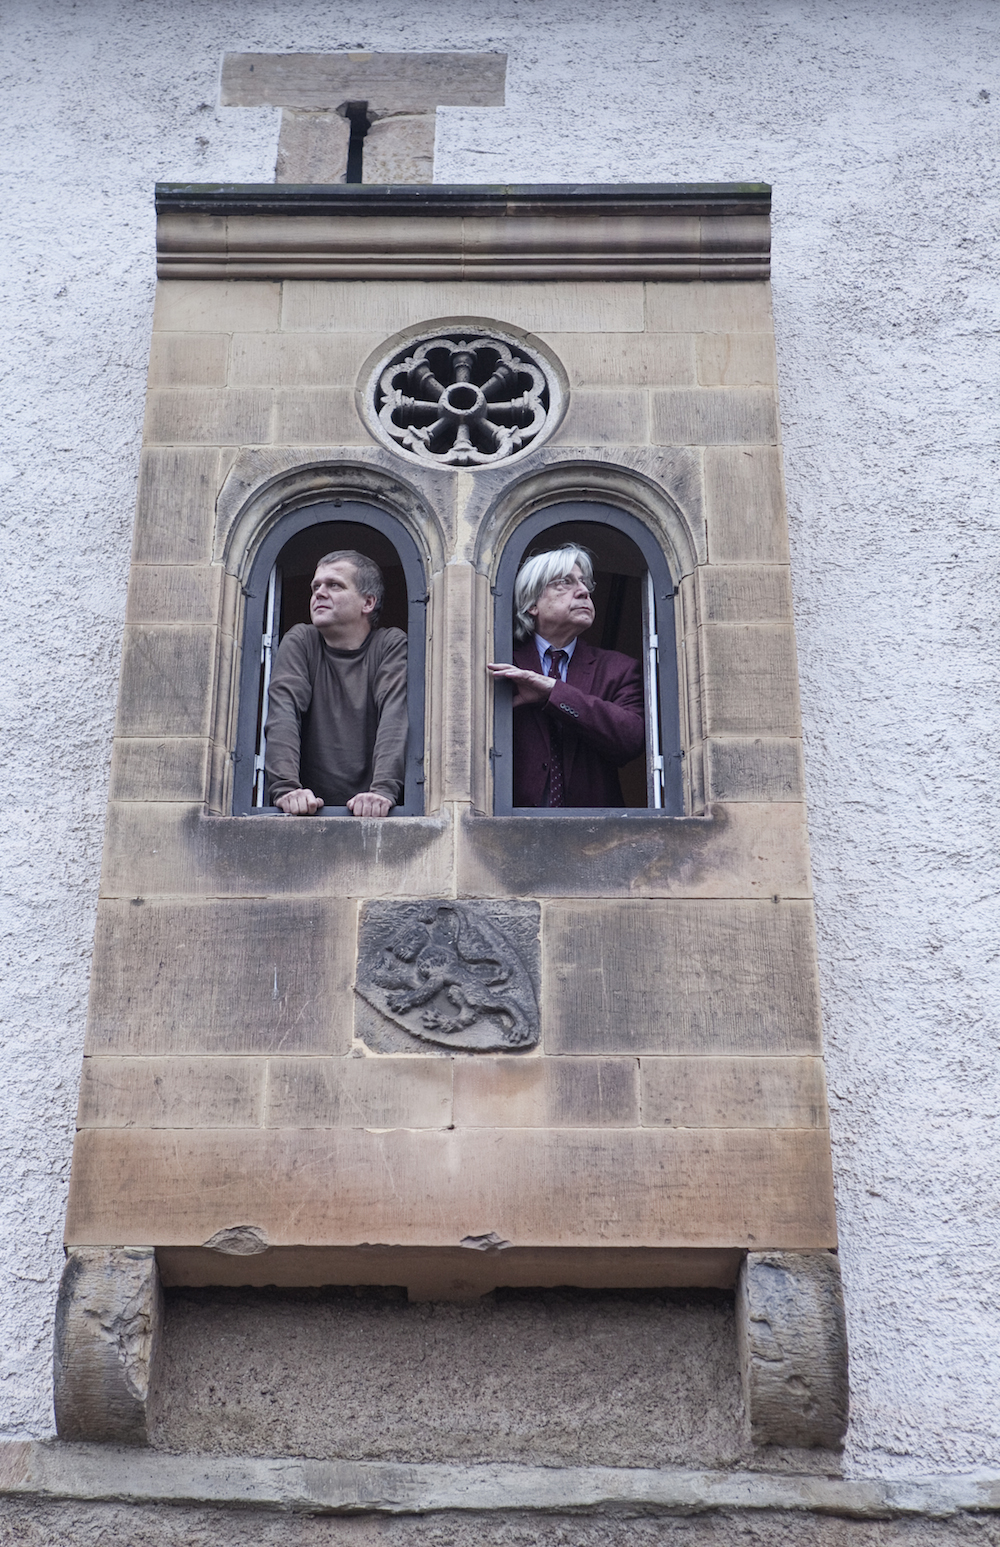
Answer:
(879, 134)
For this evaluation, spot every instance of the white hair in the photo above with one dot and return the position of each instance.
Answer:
(535, 574)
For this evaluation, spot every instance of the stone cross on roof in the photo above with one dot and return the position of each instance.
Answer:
(330, 102)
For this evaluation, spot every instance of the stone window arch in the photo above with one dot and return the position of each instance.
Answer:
(635, 613)
(277, 596)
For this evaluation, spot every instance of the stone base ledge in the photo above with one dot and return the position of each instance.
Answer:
(97, 1473)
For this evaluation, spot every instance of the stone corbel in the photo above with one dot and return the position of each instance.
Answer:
(109, 1316)
(792, 1341)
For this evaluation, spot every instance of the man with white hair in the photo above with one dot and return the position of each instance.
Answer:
(578, 710)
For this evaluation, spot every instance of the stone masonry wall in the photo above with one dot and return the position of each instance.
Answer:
(879, 135)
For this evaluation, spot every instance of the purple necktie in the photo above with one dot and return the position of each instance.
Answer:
(556, 658)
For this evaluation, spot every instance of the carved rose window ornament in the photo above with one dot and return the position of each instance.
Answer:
(463, 399)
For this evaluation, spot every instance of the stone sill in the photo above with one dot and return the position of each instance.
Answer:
(49, 1470)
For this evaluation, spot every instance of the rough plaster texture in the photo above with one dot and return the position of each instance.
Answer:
(550, 1378)
(92, 1525)
(878, 128)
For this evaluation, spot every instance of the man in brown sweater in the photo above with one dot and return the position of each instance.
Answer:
(336, 708)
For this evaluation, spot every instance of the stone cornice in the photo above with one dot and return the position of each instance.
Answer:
(678, 231)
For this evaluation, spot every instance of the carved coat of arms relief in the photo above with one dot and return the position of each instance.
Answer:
(454, 974)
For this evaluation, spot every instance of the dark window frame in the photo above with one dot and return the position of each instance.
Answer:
(255, 592)
(664, 591)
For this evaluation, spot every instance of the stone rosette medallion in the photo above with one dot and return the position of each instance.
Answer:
(463, 398)
(459, 975)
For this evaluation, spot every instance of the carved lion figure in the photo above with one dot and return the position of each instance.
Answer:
(445, 955)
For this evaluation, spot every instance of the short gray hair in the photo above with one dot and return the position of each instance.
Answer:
(535, 574)
(367, 575)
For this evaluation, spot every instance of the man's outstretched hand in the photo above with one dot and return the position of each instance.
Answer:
(369, 804)
(530, 687)
(299, 803)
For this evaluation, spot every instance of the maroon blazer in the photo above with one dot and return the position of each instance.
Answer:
(600, 709)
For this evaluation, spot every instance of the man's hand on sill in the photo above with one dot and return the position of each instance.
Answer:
(299, 803)
(369, 804)
(305, 803)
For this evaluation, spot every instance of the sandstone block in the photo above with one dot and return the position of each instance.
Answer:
(188, 360)
(157, 768)
(740, 850)
(239, 416)
(318, 416)
(745, 593)
(755, 769)
(171, 1092)
(456, 679)
(216, 306)
(792, 1339)
(718, 1092)
(166, 680)
(298, 359)
(616, 417)
(153, 849)
(175, 513)
(714, 416)
(222, 977)
(738, 306)
(737, 360)
(745, 505)
(670, 977)
(399, 147)
(546, 1093)
(384, 306)
(750, 679)
(109, 1316)
(411, 81)
(626, 359)
(358, 1093)
(173, 593)
(427, 1187)
(312, 146)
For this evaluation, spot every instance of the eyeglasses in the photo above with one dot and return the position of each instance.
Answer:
(570, 583)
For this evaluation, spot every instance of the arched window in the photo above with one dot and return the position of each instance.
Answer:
(277, 597)
(634, 602)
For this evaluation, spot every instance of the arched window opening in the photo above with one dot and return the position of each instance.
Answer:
(277, 598)
(634, 614)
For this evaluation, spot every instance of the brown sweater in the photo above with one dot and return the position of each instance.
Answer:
(336, 719)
